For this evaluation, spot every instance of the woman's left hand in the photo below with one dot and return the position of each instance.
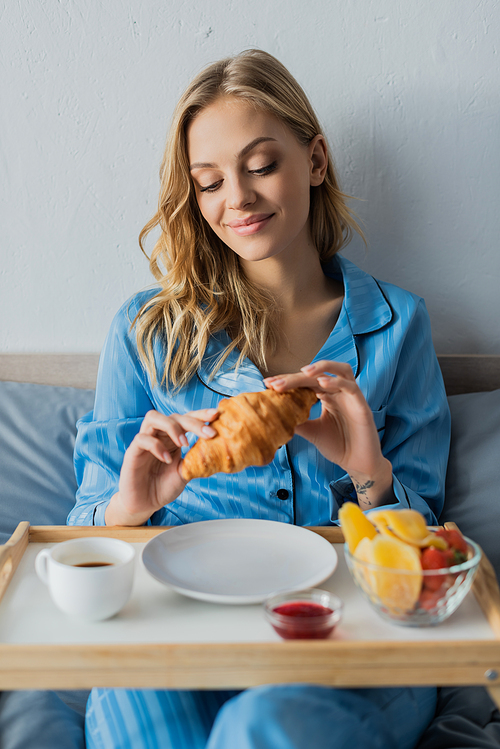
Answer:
(345, 433)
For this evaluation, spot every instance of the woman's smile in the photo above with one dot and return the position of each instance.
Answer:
(251, 225)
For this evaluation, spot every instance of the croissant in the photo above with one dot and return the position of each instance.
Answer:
(250, 427)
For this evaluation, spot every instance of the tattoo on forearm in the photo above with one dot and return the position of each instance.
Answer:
(361, 490)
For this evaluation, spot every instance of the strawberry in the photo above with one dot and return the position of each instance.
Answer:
(454, 539)
(429, 598)
(435, 559)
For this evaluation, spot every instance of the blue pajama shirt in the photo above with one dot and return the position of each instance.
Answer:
(382, 331)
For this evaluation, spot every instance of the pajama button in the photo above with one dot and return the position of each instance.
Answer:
(282, 494)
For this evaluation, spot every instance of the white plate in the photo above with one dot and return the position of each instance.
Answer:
(239, 561)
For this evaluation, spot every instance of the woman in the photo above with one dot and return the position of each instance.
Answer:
(250, 286)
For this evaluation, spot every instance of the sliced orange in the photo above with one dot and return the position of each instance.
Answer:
(355, 525)
(406, 525)
(398, 585)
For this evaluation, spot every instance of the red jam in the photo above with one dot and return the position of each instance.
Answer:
(304, 620)
(302, 608)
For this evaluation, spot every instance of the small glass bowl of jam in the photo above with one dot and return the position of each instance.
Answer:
(304, 615)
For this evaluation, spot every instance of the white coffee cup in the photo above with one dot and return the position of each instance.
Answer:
(89, 578)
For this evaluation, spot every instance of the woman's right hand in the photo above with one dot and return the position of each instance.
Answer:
(150, 477)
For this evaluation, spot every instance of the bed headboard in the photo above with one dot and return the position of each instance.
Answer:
(470, 373)
(71, 370)
(463, 373)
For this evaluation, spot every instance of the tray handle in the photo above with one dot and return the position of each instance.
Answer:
(485, 588)
(11, 554)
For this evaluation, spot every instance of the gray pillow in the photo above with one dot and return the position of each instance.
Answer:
(473, 478)
(37, 436)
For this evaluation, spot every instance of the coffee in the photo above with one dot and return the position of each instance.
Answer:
(93, 564)
(96, 593)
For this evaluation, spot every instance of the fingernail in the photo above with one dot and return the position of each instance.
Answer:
(307, 368)
(211, 411)
(278, 382)
(208, 431)
(167, 458)
(183, 440)
(325, 380)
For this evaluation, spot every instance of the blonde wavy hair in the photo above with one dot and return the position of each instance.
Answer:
(203, 289)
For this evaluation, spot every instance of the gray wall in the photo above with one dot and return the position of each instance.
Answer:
(408, 92)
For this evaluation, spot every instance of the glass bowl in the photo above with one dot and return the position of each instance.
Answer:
(307, 614)
(433, 594)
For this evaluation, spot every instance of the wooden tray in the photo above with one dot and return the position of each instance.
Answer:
(165, 640)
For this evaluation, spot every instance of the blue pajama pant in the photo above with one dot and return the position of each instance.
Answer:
(288, 716)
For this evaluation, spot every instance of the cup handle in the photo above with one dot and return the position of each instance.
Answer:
(41, 561)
